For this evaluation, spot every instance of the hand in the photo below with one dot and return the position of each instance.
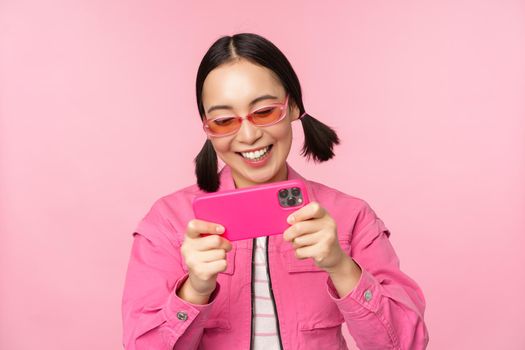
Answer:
(205, 256)
(313, 233)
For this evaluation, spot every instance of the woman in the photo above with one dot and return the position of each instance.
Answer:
(292, 291)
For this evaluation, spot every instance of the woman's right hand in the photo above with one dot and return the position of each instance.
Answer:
(205, 257)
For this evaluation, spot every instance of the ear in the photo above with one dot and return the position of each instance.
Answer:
(208, 137)
(294, 112)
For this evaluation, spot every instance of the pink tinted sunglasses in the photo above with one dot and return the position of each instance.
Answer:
(263, 116)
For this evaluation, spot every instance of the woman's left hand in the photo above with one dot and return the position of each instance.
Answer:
(313, 233)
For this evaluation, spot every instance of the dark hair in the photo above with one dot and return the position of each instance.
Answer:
(319, 139)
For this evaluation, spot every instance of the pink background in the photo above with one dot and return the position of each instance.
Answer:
(427, 97)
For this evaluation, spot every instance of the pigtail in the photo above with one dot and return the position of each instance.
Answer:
(319, 139)
(206, 168)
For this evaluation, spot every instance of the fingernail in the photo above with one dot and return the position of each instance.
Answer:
(290, 219)
(219, 229)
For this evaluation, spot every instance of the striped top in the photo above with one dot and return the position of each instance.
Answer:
(265, 337)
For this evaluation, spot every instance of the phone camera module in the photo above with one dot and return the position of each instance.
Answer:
(283, 193)
(290, 197)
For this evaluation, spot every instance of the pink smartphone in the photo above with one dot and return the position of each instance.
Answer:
(255, 211)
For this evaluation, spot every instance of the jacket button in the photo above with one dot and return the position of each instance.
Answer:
(181, 315)
(368, 295)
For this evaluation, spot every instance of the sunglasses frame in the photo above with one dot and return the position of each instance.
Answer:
(284, 110)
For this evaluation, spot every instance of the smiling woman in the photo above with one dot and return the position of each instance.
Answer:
(238, 84)
(241, 77)
(189, 288)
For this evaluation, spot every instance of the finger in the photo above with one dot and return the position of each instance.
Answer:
(196, 227)
(225, 244)
(312, 210)
(307, 252)
(212, 242)
(212, 255)
(206, 271)
(301, 228)
(217, 266)
(307, 240)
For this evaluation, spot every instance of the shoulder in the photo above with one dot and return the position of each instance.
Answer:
(325, 194)
(176, 199)
(170, 213)
(351, 212)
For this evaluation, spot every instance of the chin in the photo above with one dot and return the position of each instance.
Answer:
(262, 179)
(263, 175)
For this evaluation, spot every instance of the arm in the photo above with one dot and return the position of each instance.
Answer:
(154, 316)
(384, 308)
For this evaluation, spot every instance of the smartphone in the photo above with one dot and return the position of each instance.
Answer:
(255, 211)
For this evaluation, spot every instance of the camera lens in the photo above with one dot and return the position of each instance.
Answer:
(291, 201)
(283, 193)
(296, 191)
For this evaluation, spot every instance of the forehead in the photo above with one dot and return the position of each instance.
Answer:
(238, 83)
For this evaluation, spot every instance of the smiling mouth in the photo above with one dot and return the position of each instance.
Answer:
(257, 155)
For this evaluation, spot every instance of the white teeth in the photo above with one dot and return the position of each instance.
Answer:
(256, 154)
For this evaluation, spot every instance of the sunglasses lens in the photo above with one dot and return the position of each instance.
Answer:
(226, 125)
(266, 115)
(222, 126)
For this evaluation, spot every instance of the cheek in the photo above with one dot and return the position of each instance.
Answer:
(221, 145)
(283, 133)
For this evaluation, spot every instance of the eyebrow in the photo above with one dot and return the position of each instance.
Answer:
(260, 98)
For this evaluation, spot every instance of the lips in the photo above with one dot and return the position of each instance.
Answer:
(255, 154)
(260, 161)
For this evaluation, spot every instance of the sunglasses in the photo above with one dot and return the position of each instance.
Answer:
(225, 125)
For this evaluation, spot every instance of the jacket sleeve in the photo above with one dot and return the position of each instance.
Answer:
(385, 309)
(153, 316)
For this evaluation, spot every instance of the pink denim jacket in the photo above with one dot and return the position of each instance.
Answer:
(384, 310)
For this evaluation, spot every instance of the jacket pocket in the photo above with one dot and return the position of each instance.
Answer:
(294, 264)
(315, 309)
(336, 321)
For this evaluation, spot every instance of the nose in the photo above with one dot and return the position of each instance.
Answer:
(248, 133)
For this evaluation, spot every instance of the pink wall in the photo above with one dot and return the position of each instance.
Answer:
(428, 98)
